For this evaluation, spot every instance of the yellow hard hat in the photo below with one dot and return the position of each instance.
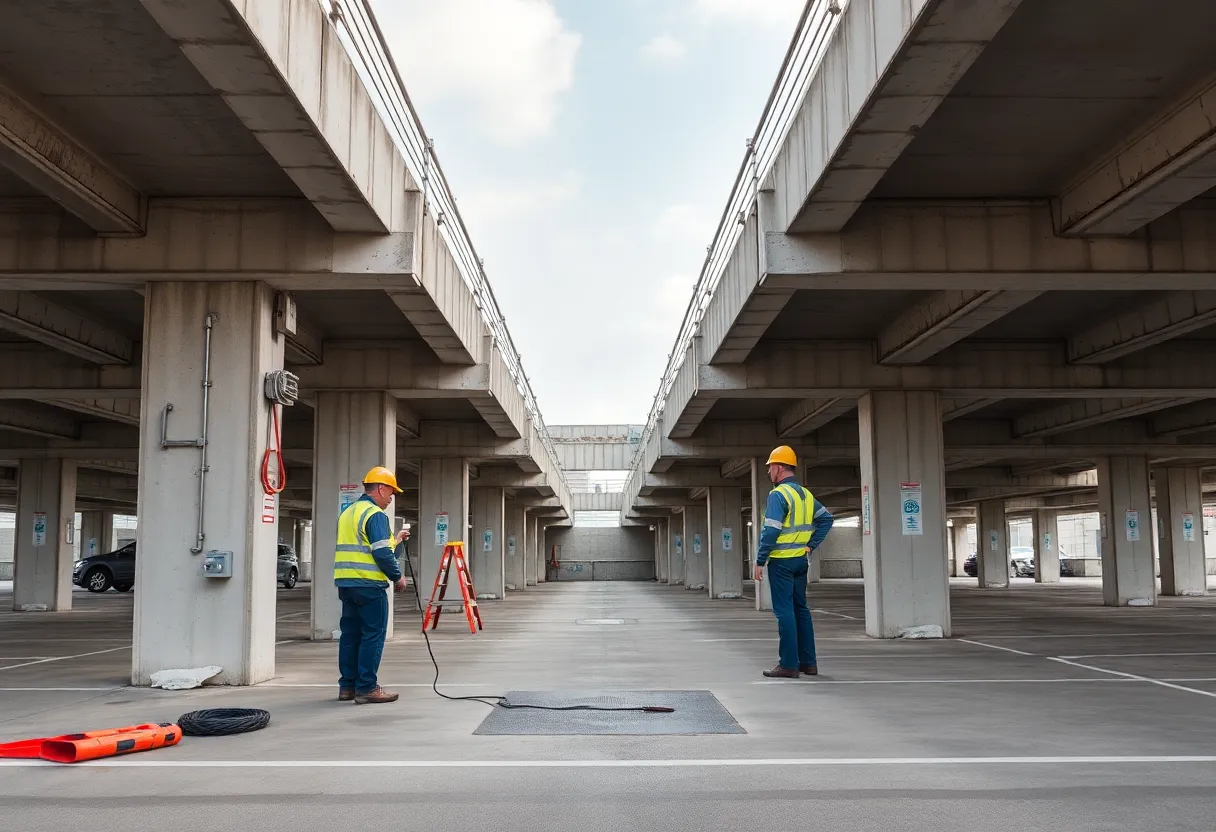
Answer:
(783, 456)
(382, 476)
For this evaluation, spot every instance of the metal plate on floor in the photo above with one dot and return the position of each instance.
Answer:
(696, 712)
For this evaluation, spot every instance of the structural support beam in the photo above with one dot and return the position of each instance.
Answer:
(1180, 515)
(726, 537)
(1166, 163)
(46, 507)
(809, 415)
(34, 317)
(1124, 506)
(39, 152)
(1046, 547)
(696, 547)
(42, 422)
(943, 320)
(1195, 418)
(125, 411)
(1155, 321)
(992, 546)
(1087, 413)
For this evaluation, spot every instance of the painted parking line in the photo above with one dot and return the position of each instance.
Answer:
(1134, 676)
(1133, 655)
(64, 658)
(826, 762)
(995, 647)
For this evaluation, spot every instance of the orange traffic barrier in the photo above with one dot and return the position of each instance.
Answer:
(92, 745)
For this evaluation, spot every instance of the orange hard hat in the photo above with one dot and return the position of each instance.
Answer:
(382, 476)
(783, 456)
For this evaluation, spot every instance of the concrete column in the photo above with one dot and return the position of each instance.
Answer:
(352, 433)
(960, 549)
(992, 545)
(532, 526)
(1047, 547)
(443, 489)
(542, 550)
(761, 485)
(903, 513)
(305, 550)
(182, 617)
(661, 561)
(675, 531)
(726, 537)
(696, 547)
(515, 546)
(489, 544)
(1180, 512)
(46, 526)
(1124, 508)
(96, 533)
(287, 531)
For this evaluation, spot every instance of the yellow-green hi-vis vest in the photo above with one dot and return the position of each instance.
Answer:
(353, 558)
(797, 529)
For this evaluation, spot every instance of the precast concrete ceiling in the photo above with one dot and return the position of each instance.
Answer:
(110, 76)
(1061, 81)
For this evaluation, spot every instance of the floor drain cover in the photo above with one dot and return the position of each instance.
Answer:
(696, 712)
(606, 621)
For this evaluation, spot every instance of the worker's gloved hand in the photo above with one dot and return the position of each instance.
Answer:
(758, 573)
(400, 585)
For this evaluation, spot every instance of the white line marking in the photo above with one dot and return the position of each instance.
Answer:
(826, 762)
(22, 658)
(1000, 637)
(19, 690)
(293, 615)
(995, 647)
(1132, 655)
(285, 641)
(928, 681)
(1134, 676)
(833, 612)
(65, 658)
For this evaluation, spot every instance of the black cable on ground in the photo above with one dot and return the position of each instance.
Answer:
(501, 701)
(223, 722)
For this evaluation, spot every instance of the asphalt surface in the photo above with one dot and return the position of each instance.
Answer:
(1045, 711)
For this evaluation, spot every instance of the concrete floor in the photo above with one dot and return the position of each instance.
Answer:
(986, 730)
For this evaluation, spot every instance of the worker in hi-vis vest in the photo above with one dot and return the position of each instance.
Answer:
(364, 566)
(795, 523)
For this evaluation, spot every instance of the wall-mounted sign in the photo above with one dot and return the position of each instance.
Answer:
(909, 498)
(39, 528)
(1131, 523)
(487, 540)
(347, 494)
(441, 529)
(1188, 527)
(727, 538)
(865, 509)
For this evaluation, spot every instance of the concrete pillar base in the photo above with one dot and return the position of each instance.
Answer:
(903, 514)
(352, 433)
(184, 618)
(1180, 514)
(44, 551)
(1125, 511)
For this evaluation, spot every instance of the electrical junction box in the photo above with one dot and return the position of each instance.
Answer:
(217, 564)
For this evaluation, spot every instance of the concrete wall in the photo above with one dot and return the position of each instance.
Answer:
(589, 554)
(840, 554)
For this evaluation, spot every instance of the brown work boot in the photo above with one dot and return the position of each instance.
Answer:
(375, 697)
(345, 695)
(809, 670)
(780, 672)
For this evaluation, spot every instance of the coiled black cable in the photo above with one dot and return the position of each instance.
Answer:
(223, 722)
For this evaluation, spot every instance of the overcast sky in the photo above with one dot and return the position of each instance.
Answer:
(591, 145)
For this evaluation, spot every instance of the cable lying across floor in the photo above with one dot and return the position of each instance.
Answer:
(495, 701)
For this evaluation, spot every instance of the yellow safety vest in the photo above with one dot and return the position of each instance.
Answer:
(353, 558)
(797, 529)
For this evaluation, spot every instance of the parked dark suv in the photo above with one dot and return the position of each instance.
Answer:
(117, 569)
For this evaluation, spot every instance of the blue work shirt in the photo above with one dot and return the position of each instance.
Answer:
(775, 511)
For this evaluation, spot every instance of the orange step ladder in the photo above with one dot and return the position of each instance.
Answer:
(453, 554)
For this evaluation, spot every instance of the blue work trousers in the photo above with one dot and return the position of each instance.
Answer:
(364, 627)
(787, 583)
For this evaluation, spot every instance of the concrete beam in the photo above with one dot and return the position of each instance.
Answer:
(42, 422)
(943, 320)
(1195, 418)
(1163, 164)
(125, 411)
(829, 369)
(36, 149)
(32, 371)
(809, 415)
(957, 408)
(408, 424)
(1155, 321)
(34, 317)
(502, 477)
(1007, 246)
(1082, 414)
(305, 346)
(685, 478)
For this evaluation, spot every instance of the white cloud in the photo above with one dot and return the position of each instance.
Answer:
(487, 203)
(762, 12)
(511, 59)
(684, 223)
(664, 48)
